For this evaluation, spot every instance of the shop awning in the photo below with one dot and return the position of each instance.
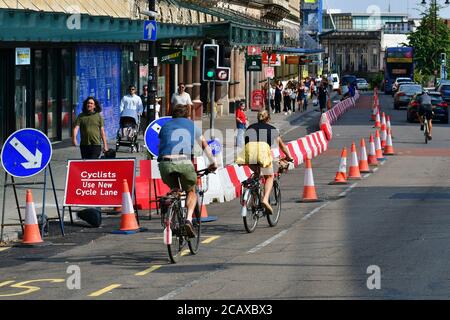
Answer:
(298, 51)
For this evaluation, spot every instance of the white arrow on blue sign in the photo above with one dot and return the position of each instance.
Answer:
(150, 30)
(215, 146)
(152, 135)
(26, 152)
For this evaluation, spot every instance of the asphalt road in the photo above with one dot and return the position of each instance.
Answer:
(382, 237)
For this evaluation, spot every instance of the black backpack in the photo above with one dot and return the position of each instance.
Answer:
(92, 216)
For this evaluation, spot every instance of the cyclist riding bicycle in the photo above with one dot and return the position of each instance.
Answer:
(425, 109)
(259, 138)
(179, 140)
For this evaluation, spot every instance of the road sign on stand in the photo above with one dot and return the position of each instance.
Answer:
(215, 146)
(152, 135)
(26, 153)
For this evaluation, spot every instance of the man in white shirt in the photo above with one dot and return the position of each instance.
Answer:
(131, 105)
(183, 98)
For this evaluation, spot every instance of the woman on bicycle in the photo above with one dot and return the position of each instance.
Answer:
(259, 138)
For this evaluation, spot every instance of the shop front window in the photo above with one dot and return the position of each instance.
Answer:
(20, 97)
(52, 89)
(66, 95)
(38, 90)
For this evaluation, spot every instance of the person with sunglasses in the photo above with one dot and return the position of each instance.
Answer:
(183, 98)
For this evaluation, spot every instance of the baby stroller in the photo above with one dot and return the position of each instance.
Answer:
(127, 134)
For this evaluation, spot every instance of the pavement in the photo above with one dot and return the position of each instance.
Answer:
(63, 151)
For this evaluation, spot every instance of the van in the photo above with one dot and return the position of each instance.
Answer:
(335, 77)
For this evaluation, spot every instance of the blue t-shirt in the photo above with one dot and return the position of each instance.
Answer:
(178, 136)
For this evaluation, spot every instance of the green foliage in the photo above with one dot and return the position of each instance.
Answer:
(376, 80)
(421, 78)
(430, 39)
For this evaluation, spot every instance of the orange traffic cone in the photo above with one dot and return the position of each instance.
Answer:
(354, 172)
(374, 112)
(377, 121)
(31, 234)
(378, 150)
(372, 154)
(388, 124)
(128, 222)
(389, 149)
(341, 175)
(309, 190)
(363, 162)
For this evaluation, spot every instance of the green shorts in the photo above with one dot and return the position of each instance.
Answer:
(184, 168)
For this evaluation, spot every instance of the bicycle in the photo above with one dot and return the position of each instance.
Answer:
(426, 130)
(251, 195)
(173, 220)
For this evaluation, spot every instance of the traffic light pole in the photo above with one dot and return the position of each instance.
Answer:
(152, 72)
(212, 93)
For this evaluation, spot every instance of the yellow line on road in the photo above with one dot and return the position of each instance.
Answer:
(210, 239)
(104, 290)
(4, 249)
(184, 252)
(151, 269)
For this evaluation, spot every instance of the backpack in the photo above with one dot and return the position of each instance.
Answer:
(93, 216)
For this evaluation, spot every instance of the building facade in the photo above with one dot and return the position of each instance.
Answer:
(96, 48)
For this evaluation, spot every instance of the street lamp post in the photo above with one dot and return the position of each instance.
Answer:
(152, 69)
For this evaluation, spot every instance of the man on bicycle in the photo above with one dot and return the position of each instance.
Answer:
(259, 138)
(425, 110)
(178, 138)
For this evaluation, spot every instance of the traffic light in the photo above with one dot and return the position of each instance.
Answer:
(444, 58)
(210, 61)
(325, 61)
(225, 56)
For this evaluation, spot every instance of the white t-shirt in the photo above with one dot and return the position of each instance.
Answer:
(184, 99)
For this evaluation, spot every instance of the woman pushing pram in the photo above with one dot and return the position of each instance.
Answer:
(131, 109)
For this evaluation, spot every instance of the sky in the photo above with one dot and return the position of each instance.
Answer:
(397, 6)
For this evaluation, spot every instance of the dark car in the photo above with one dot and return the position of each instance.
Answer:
(404, 94)
(444, 90)
(348, 79)
(440, 107)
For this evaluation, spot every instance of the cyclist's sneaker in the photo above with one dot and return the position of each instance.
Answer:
(421, 127)
(189, 229)
(268, 208)
(430, 138)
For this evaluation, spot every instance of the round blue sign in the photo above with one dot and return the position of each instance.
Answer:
(215, 146)
(152, 134)
(26, 152)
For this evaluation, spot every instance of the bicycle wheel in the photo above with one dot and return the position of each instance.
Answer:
(176, 223)
(194, 243)
(275, 203)
(252, 217)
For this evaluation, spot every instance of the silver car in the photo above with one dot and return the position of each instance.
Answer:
(361, 84)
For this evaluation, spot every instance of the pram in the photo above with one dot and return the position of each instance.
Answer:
(127, 134)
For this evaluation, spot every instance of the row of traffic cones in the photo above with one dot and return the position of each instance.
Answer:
(378, 148)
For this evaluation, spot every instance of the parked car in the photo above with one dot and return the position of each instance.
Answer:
(440, 107)
(404, 94)
(444, 90)
(362, 84)
(398, 82)
(348, 79)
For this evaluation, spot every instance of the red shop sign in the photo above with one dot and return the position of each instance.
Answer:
(98, 183)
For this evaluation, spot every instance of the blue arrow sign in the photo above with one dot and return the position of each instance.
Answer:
(215, 146)
(26, 153)
(150, 30)
(152, 134)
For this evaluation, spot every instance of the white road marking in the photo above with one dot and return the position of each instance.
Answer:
(375, 169)
(366, 175)
(343, 194)
(267, 242)
(309, 215)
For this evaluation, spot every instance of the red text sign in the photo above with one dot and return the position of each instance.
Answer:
(257, 100)
(98, 182)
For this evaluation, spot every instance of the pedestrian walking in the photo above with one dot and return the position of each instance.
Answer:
(301, 96)
(183, 98)
(131, 107)
(146, 118)
(286, 98)
(323, 95)
(241, 125)
(91, 126)
(272, 98)
(278, 96)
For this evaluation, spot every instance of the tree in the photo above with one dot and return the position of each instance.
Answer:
(430, 39)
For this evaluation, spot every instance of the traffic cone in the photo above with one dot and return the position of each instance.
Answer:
(388, 124)
(309, 190)
(383, 136)
(363, 163)
(354, 172)
(128, 222)
(389, 149)
(378, 150)
(374, 112)
(31, 234)
(341, 175)
(377, 120)
(372, 154)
